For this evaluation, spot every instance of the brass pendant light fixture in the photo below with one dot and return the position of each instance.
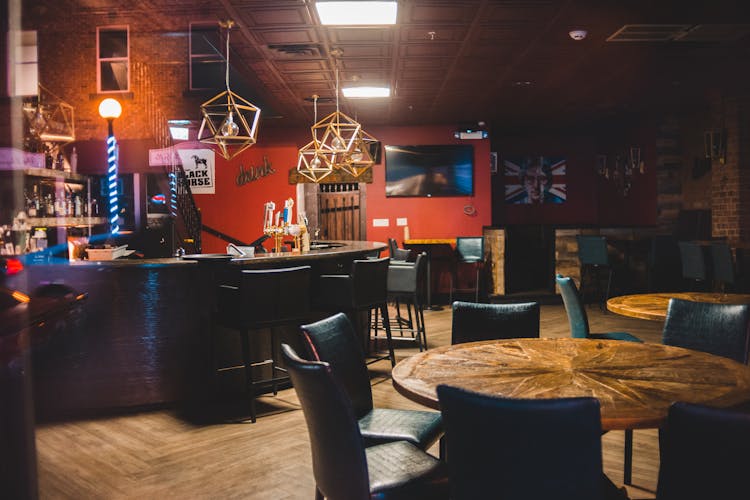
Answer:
(315, 162)
(229, 121)
(50, 120)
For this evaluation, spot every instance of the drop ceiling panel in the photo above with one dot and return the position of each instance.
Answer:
(290, 36)
(360, 35)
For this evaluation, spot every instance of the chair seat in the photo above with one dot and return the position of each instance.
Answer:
(383, 425)
(401, 470)
(615, 336)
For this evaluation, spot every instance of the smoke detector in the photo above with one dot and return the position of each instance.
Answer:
(578, 34)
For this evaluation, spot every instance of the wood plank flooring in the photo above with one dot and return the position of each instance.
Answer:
(160, 454)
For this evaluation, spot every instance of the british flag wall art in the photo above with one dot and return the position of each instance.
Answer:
(534, 179)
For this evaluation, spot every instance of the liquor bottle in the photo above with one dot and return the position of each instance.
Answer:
(74, 161)
(77, 206)
(29, 200)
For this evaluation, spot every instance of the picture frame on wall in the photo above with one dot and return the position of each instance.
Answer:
(493, 162)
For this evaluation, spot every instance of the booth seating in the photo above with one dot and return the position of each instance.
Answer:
(264, 300)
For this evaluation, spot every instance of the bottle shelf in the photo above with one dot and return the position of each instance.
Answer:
(65, 221)
(56, 174)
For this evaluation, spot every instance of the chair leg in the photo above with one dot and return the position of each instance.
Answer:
(628, 461)
(424, 329)
(476, 285)
(609, 287)
(318, 494)
(274, 384)
(247, 361)
(389, 339)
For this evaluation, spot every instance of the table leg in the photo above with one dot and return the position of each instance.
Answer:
(628, 463)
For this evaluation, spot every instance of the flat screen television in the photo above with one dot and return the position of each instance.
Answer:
(433, 170)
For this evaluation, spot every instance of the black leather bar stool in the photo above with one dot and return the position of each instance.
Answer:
(407, 286)
(264, 300)
(362, 290)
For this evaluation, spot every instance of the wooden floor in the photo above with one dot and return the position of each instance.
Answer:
(160, 454)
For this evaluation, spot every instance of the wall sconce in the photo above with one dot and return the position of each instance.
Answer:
(715, 143)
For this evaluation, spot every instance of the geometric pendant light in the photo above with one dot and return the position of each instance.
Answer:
(229, 121)
(360, 159)
(315, 162)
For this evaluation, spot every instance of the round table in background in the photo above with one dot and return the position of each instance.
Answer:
(653, 306)
(634, 382)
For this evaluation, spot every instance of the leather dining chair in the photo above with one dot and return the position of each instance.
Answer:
(397, 254)
(577, 317)
(704, 453)
(531, 449)
(579, 328)
(693, 264)
(333, 341)
(594, 257)
(720, 329)
(343, 468)
(722, 265)
(474, 322)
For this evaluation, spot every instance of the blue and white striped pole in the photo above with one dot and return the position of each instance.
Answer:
(110, 109)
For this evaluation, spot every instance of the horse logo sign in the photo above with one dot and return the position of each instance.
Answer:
(199, 169)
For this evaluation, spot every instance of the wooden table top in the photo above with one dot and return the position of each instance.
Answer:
(653, 306)
(634, 382)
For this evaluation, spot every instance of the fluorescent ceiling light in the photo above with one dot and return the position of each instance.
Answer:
(179, 133)
(353, 12)
(364, 92)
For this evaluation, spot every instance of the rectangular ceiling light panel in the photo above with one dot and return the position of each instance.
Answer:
(356, 13)
(366, 92)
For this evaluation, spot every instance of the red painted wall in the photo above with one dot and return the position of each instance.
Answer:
(238, 210)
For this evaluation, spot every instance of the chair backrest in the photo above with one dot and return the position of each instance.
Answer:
(334, 341)
(392, 247)
(338, 453)
(705, 453)
(369, 282)
(473, 322)
(521, 448)
(579, 321)
(267, 297)
(720, 329)
(723, 264)
(693, 262)
(470, 248)
(592, 250)
(408, 278)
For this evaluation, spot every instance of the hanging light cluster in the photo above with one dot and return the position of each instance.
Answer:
(338, 142)
(229, 121)
(50, 120)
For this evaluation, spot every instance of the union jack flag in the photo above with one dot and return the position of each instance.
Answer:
(549, 179)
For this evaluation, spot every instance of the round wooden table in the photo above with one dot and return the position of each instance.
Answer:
(653, 306)
(634, 382)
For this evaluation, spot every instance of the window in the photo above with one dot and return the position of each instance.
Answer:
(206, 56)
(24, 67)
(113, 59)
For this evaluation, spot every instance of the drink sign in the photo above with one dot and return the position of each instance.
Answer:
(251, 173)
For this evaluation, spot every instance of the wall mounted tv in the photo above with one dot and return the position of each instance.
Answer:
(434, 170)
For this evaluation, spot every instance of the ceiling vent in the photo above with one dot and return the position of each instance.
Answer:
(649, 32)
(715, 33)
(298, 50)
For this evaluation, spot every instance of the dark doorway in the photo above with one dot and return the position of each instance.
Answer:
(529, 259)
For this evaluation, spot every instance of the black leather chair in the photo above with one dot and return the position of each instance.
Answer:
(693, 265)
(705, 453)
(365, 288)
(594, 257)
(720, 329)
(722, 266)
(579, 321)
(398, 254)
(407, 286)
(343, 468)
(473, 322)
(333, 341)
(522, 448)
(263, 300)
(579, 328)
(469, 253)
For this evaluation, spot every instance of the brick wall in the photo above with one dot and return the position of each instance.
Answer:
(730, 182)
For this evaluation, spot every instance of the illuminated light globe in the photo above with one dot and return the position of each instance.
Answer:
(110, 109)
(315, 163)
(229, 128)
(361, 158)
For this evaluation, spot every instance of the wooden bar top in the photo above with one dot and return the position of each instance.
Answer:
(431, 241)
(634, 382)
(653, 306)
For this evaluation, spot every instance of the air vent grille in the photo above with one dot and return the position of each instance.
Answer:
(298, 50)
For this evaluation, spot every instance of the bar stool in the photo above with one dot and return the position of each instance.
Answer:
(365, 288)
(264, 300)
(594, 256)
(469, 251)
(407, 286)
(693, 264)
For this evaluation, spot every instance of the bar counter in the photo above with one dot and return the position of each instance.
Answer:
(141, 336)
